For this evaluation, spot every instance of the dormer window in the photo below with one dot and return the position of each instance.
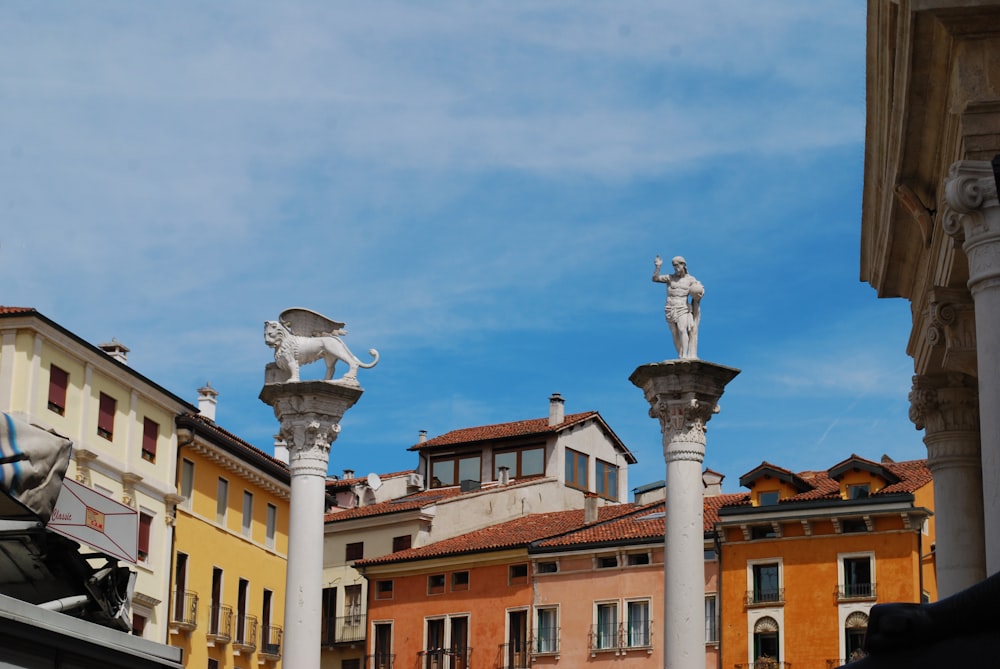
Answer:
(768, 497)
(857, 490)
(448, 471)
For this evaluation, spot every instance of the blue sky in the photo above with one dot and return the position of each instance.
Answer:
(478, 189)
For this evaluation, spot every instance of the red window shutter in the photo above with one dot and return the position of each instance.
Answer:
(58, 382)
(106, 416)
(150, 433)
(145, 523)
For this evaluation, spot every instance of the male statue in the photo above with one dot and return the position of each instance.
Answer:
(682, 316)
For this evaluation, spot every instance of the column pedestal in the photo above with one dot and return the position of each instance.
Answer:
(683, 395)
(309, 413)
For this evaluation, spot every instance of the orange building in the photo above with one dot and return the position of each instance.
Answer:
(805, 556)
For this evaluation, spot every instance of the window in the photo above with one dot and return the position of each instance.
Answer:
(768, 497)
(138, 624)
(355, 551)
(267, 640)
(517, 574)
(150, 434)
(607, 561)
(850, 525)
(221, 501)
(855, 628)
(453, 470)
(242, 628)
(401, 543)
(247, 512)
(547, 631)
(220, 618)
(637, 559)
(434, 646)
(187, 482)
(272, 524)
(857, 577)
(383, 646)
(638, 624)
(576, 469)
(766, 583)
(711, 619)
(522, 462)
(550, 567)
(328, 612)
(106, 416)
(213, 664)
(459, 581)
(765, 642)
(383, 589)
(145, 523)
(435, 584)
(58, 382)
(762, 532)
(607, 479)
(857, 491)
(606, 630)
(352, 604)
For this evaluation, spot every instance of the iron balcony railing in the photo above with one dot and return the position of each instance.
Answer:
(444, 658)
(270, 641)
(841, 661)
(344, 629)
(765, 597)
(380, 661)
(621, 636)
(220, 623)
(856, 591)
(246, 634)
(765, 664)
(547, 641)
(184, 612)
(514, 656)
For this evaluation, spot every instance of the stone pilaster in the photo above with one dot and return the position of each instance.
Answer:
(947, 408)
(683, 395)
(973, 217)
(309, 413)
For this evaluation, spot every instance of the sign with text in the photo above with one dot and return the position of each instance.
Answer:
(87, 516)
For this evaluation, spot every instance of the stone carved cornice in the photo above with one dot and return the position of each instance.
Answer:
(951, 324)
(945, 403)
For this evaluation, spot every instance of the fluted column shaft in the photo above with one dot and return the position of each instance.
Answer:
(683, 395)
(947, 408)
(973, 216)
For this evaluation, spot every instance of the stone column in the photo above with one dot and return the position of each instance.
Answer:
(309, 413)
(683, 395)
(947, 408)
(973, 217)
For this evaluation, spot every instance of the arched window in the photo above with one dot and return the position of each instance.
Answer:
(854, 635)
(765, 641)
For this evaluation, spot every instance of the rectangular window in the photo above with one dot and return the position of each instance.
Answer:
(150, 435)
(247, 512)
(355, 551)
(637, 625)
(435, 584)
(187, 482)
(383, 589)
(453, 470)
(517, 574)
(459, 581)
(242, 624)
(145, 524)
(711, 620)
(221, 501)
(858, 578)
(58, 383)
(576, 469)
(383, 646)
(138, 624)
(272, 524)
(606, 630)
(766, 588)
(607, 479)
(606, 561)
(329, 614)
(106, 416)
(520, 462)
(401, 543)
(768, 497)
(548, 567)
(857, 491)
(352, 604)
(213, 664)
(547, 631)
(637, 559)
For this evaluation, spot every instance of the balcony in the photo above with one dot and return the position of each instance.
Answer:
(220, 625)
(444, 658)
(855, 591)
(513, 656)
(183, 611)
(547, 641)
(246, 635)
(765, 664)
(270, 646)
(344, 629)
(621, 637)
(380, 661)
(769, 597)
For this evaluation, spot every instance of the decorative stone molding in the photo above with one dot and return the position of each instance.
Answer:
(945, 403)
(171, 501)
(83, 459)
(951, 324)
(128, 488)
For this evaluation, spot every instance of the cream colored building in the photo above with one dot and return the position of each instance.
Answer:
(122, 428)
(930, 233)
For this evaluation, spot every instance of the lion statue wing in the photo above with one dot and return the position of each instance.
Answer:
(308, 323)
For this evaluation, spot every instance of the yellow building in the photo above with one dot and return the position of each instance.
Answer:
(122, 428)
(230, 547)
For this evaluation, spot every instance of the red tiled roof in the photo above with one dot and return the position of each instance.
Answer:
(518, 428)
(417, 500)
(16, 310)
(335, 484)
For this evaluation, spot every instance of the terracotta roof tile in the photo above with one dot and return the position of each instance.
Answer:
(335, 484)
(518, 428)
(417, 500)
(16, 310)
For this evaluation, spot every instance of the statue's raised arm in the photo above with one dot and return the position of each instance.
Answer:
(683, 307)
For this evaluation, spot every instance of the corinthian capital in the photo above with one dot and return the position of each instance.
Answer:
(944, 403)
(969, 186)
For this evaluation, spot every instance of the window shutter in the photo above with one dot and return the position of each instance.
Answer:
(145, 522)
(150, 433)
(58, 382)
(106, 416)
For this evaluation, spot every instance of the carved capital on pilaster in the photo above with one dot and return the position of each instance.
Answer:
(944, 403)
(970, 186)
(951, 324)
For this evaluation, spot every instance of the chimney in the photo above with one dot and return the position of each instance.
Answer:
(280, 449)
(589, 508)
(348, 473)
(207, 401)
(422, 437)
(116, 350)
(712, 481)
(557, 409)
(504, 475)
